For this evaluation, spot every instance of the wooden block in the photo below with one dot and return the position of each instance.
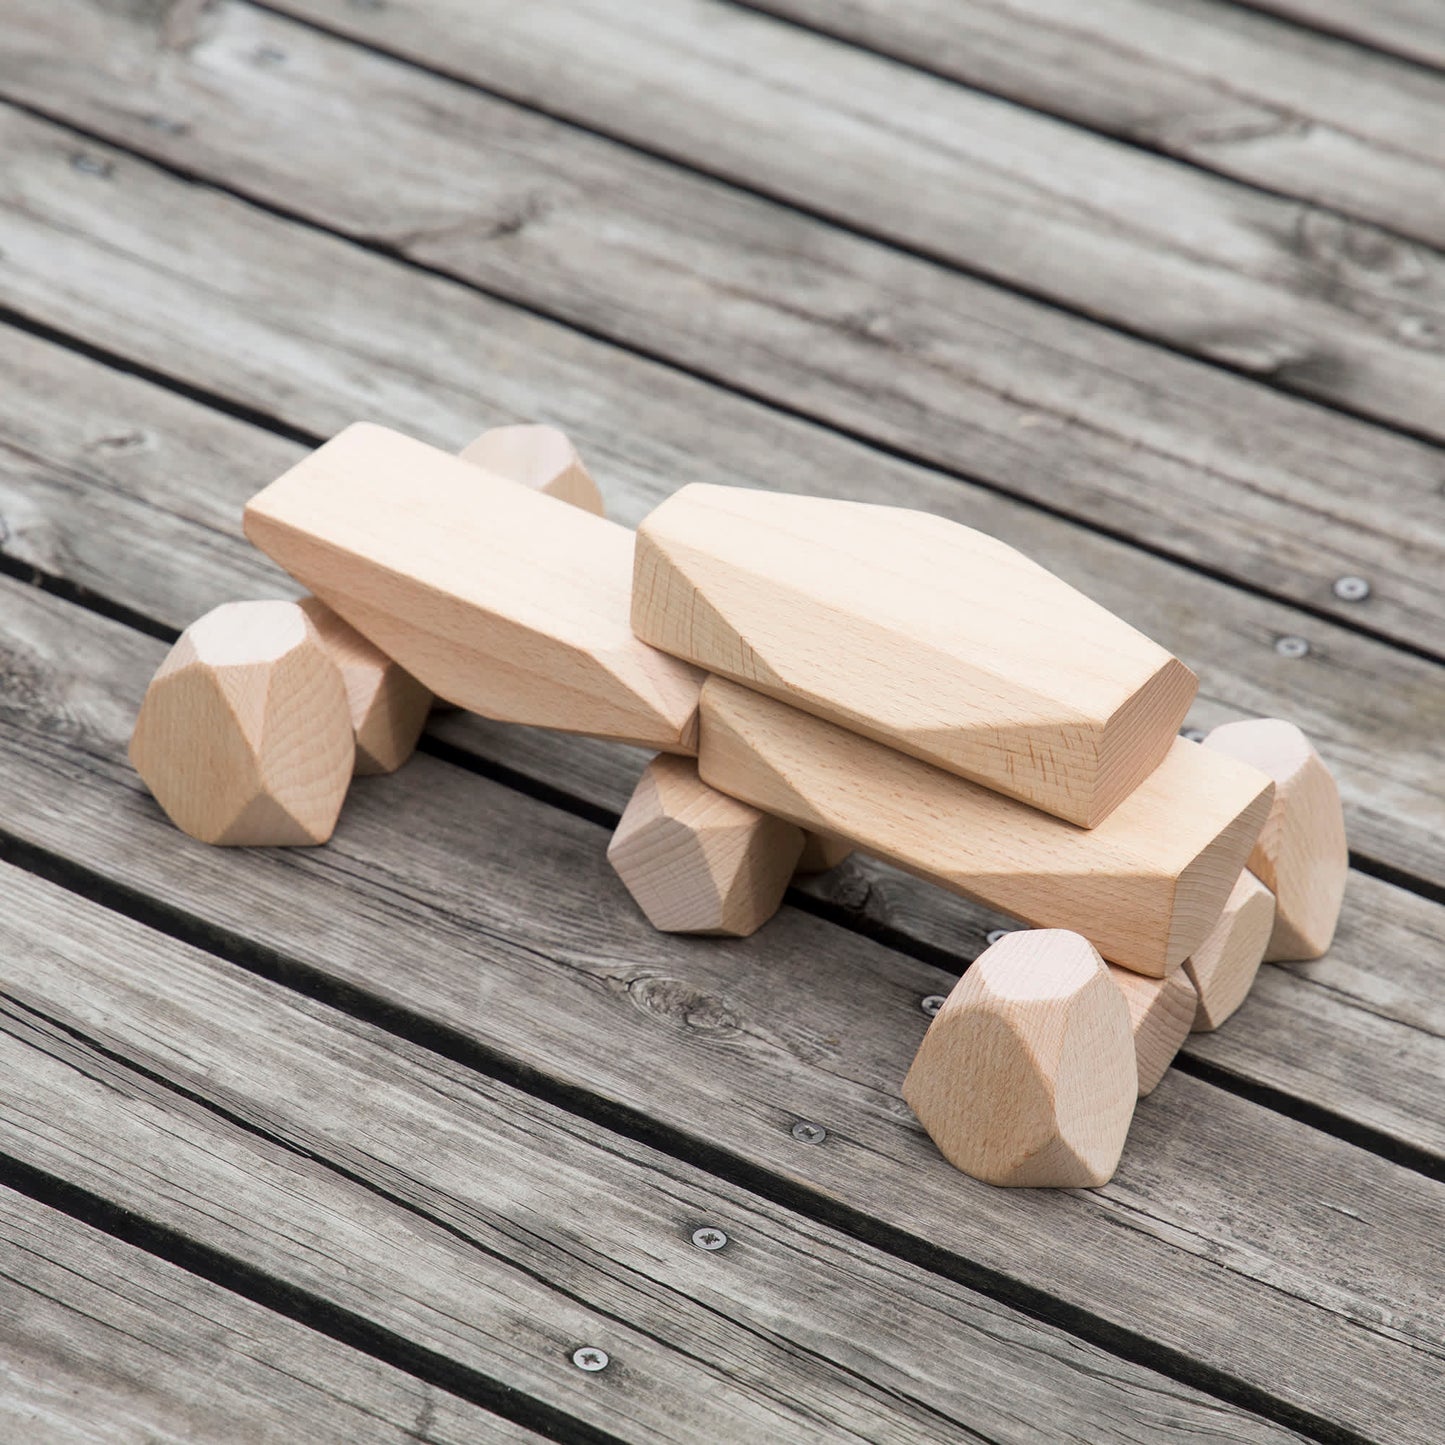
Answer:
(1027, 1075)
(389, 707)
(698, 861)
(820, 853)
(1301, 855)
(496, 597)
(1161, 1014)
(1145, 886)
(540, 457)
(1223, 967)
(912, 630)
(244, 736)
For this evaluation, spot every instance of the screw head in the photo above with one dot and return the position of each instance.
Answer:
(808, 1133)
(1193, 735)
(89, 165)
(709, 1238)
(1291, 646)
(1351, 589)
(933, 1003)
(995, 935)
(591, 1359)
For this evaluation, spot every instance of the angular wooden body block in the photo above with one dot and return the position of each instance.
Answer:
(1145, 886)
(1223, 968)
(698, 861)
(245, 736)
(540, 457)
(1161, 1014)
(938, 640)
(496, 597)
(1301, 855)
(820, 853)
(1027, 1075)
(389, 707)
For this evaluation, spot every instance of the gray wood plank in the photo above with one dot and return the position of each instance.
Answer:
(1248, 96)
(137, 497)
(497, 917)
(316, 332)
(772, 1321)
(105, 1344)
(1189, 460)
(1335, 309)
(1412, 28)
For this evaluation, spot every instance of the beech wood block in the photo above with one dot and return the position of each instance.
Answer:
(244, 736)
(389, 707)
(1301, 855)
(1027, 1075)
(540, 457)
(938, 640)
(1161, 1014)
(1145, 886)
(496, 597)
(820, 853)
(1223, 967)
(698, 861)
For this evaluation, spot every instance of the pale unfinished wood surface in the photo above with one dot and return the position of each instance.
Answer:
(541, 457)
(1412, 28)
(525, 913)
(1026, 1075)
(389, 707)
(1301, 855)
(244, 736)
(1186, 457)
(935, 639)
(497, 598)
(696, 860)
(1144, 887)
(1223, 968)
(820, 853)
(1161, 1014)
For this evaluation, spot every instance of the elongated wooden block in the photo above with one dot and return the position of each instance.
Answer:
(1027, 1075)
(540, 457)
(913, 630)
(1301, 855)
(496, 597)
(1161, 1015)
(1145, 886)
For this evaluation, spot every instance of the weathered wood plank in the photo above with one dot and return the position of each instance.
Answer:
(103, 1343)
(517, 935)
(1313, 303)
(282, 327)
(604, 1222)
(1240, 93)
(1188, 459)
(1412, 28)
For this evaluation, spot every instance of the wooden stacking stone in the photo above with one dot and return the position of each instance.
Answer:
(1027, 1074)
(495, 597)
(938, 640)
(698, 861)
(244, 736)
(1146, 885)
(1223, 967)
(1161, 1015)
(820, 853)
(389, 707)
(1301, 855)
(540, 457)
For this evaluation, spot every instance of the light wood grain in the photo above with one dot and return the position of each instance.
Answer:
(496, 597)
(538, 456)
(105, 1344)
(245, 734)
(1161, 1013)
(933, 638)
(518, 937)
(456, 1200)
(1412, 28)
(1223, 968)
(1144, 887)
(1026, 1076)
(1191, 460)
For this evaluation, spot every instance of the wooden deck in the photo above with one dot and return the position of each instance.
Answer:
(364, 1143)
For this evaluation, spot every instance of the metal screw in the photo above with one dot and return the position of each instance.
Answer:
(996, 935)
(932, 1004)
(1291, 646)
(591, 1359)
(1193, 735)
(709, 1238)
(806, 1133)
(268, 55)
(90, 165)
(1352, 589)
